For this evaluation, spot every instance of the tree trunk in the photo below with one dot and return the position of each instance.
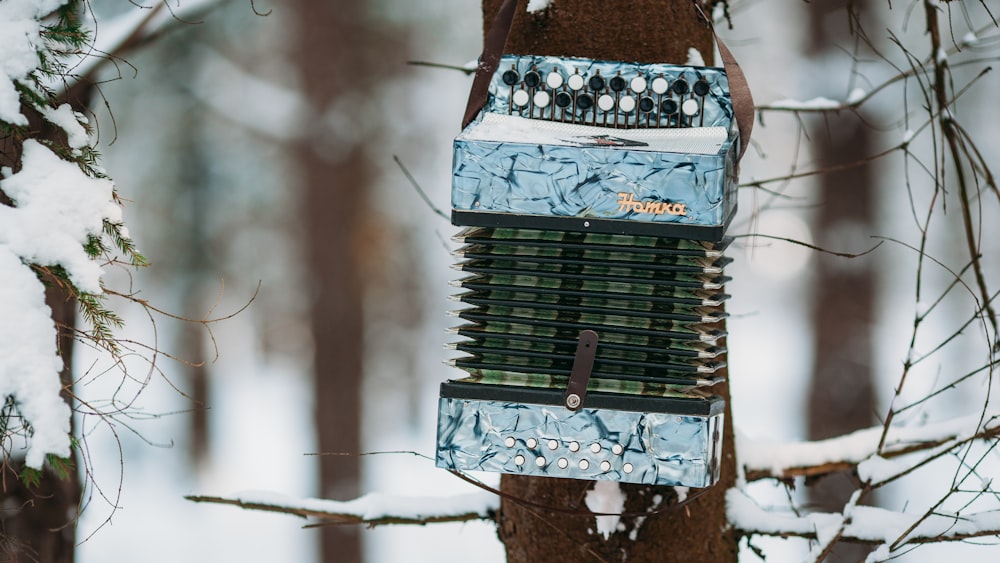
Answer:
(38, 524)
(842, 397)
(641, 31)
(335, 175)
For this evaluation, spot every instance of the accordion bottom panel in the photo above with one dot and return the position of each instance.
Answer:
(590, 443)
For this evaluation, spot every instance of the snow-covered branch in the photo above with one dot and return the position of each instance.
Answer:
(373, 509)
(866, 524)
(786, 460)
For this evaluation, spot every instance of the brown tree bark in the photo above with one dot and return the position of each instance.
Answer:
(642, 31)
(841, 397)
(334, 190)
(344, 57)
(38, 524)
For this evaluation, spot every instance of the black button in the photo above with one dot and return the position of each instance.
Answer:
(563, 99)
(669, 107)
(585, 101)
(596, 82)
(681, 87)
(646, 104)
(617, 83)
(701, 88)
(511, 77)
(532, 79)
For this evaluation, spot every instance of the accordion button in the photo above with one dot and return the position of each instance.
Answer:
(540, 461)
(563, 99)
(646, 104)
(509, 441)
(553, 444)
(521, 98)
(605, 465)
(606, 102)
(531, 443)
(519, 459)
(596, 82)
(617, 449)
(638, 84)
(575, 82)
(627, 104)
(532, 79)
(628, 468)
(595, 447)
(617, 83)
(563, 463)
(690, 107)
(510, 77)
(681, 86)
(660, 85)
(542, 98)
(584, 464)
(701, 88)
(574, 447)
(554, 80)
(584, 101)
(669, 107)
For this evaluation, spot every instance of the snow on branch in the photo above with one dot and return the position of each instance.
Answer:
(373, 509)
(866, 524)
(785, 460)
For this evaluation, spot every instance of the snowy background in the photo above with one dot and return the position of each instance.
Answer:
(216, 101)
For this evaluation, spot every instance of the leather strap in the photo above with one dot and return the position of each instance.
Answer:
(496, 40)
(583, 365)
(493, 47)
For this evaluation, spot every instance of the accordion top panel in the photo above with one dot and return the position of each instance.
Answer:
(597, 146)
(610, 94)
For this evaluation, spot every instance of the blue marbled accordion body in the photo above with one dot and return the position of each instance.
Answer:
(596, 196)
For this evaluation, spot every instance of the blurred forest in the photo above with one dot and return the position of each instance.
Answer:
(256, 148)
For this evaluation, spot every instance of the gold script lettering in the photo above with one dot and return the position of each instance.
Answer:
(627, 202)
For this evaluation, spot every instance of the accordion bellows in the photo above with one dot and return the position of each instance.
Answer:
(592, 207)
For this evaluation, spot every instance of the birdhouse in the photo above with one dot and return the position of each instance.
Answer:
(595, 197)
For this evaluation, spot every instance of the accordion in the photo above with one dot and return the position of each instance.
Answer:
(594, 196)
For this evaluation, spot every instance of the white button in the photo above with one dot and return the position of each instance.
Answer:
(562, 463)
(595, 447)
(574, 446)
(542, 98)
(606, 102)
(627, 104)
(509, 441)
(660, 85)
(627, 468)
(531, 443)
(554, 80)
(575, 82)
(519, 459)
(617, 449)
(638, 84)
(690, 107)
(540, 461)
(584, 464)
(553, 444)
(605, 465)
(521, 98)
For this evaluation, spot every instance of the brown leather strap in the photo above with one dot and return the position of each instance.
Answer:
(493, 47)
(496, 40)
(739, 89)
(583, 365)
